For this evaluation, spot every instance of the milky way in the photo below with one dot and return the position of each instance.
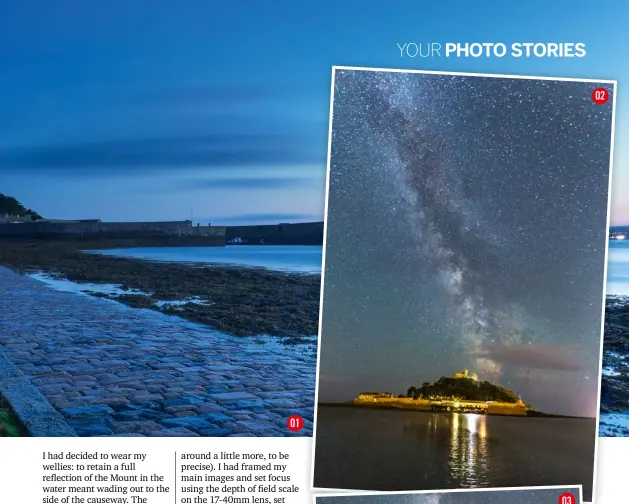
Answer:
(466, 227)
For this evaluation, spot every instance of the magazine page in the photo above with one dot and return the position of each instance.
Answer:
(277, 253)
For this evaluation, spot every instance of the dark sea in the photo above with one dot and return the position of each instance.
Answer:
(392, 450)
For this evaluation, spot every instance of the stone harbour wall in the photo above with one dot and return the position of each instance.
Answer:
(306, 233)
(169, 232)
(78, 228)
(209, 231)
(506, 409)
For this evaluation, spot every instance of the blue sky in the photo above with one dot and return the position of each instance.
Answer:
(152, 110)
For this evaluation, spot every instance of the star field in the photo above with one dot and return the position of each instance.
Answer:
(466, 228)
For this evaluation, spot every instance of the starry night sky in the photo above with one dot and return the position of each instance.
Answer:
(466, 228)
(539, 496)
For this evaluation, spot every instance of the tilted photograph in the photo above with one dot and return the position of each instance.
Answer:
(541, 495)
(614, 417)
(463, 281)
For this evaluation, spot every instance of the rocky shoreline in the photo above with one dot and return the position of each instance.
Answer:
(237, 301)
(615, 379)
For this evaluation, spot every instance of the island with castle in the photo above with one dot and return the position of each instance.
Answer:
(463, 392)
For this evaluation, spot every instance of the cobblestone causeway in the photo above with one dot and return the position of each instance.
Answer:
(111, 370)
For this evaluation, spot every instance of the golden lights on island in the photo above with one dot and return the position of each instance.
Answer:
(466, 374)
(444, 404)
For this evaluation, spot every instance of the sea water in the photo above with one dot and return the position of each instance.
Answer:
(288, 258)
(411, 450)
(618, 268)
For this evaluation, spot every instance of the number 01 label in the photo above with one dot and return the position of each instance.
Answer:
(295, 423)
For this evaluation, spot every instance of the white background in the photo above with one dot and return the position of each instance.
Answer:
(21, 462)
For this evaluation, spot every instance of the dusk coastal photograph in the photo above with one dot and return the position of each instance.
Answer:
(464, 268)
(614, 417)
(161, 231)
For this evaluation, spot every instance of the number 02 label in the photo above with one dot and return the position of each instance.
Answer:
(600, 96)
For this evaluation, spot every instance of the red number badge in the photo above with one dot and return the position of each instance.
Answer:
(296, 423)
(567, 498)
(600, 96)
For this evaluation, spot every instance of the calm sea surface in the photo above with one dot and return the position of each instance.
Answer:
(618, 268)
(388, 450)
(294, 258)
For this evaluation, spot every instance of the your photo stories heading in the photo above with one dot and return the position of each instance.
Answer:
(492, 49)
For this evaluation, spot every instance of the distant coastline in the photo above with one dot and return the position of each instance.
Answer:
(169, 233)
(619, 233)
(462, 392)
(239, 300)
(529, 414)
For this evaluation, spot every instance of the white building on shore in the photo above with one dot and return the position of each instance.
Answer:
(14, 219)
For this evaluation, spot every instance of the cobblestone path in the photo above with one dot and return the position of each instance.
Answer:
(114, 370)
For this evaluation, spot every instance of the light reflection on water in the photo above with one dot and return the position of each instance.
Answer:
(469, 457)
(465, 437)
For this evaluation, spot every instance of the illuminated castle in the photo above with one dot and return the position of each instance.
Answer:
(466, 374)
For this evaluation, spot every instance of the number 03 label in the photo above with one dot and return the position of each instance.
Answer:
(567, 498)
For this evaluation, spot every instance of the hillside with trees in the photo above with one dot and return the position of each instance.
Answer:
(11, 206)
(463, 388)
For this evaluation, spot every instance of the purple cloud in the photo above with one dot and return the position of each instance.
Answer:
(534, 356)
